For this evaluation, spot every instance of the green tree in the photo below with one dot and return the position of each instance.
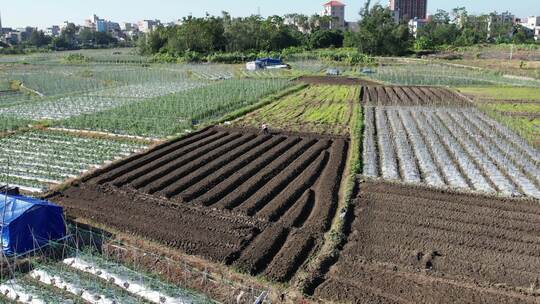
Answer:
(201, 35)
(86, 36)
(103, 39)
(438, 32)
(69, 35)
(38, 38)
(60, 43)
(326, 38)
(379, 34)
(522, 35)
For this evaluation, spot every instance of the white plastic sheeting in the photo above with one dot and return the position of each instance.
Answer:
(133, 287)
(448, 147)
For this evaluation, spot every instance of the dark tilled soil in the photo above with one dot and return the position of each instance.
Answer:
(336, 80)
(411, 96)
(415, 245)
(259, 202)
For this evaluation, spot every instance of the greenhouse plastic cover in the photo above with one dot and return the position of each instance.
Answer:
(28, 223)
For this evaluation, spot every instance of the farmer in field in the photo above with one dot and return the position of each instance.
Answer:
(264, 129)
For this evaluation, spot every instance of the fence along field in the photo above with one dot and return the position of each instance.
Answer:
(444, 146)
(86, 268)
(259, 202)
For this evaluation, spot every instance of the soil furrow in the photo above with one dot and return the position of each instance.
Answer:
(226, 187)
(211, 167)
(281, 202)
(182, 167)
(145, 168)
(269, 185)
(134, 163)
(205, 185)
(153, 172)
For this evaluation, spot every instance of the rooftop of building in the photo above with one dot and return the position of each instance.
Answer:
(334, 3)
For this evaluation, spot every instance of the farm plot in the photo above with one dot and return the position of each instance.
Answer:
(172, 114)
(86, 278)
(419, 72)
(36, 159)
(411, 244)
(321, 109)
(411, 95)
(448, 147)
(259, 202)
(148, 90)
(334, 80)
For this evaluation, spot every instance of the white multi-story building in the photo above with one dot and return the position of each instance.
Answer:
(126, 26)
(336, 10)
(146, 26)
(52, 31)
(415, 25)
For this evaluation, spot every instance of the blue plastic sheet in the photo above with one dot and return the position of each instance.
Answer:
(28, 223)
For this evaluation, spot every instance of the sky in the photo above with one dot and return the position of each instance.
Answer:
(43, 13)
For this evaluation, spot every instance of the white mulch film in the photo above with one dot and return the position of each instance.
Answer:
(35, 160)
(449, 147)
(387, 154)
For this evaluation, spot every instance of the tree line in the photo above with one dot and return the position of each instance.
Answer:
(227, 39)
(72, 37)
(459, 28)
(378, 34)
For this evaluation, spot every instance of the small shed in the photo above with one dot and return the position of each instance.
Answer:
(28, 223)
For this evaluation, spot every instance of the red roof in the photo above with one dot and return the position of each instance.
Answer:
(334, 3)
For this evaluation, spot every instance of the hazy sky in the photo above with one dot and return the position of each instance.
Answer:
(41, 13)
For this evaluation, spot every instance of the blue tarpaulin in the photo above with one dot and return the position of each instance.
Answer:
(268, 61)
(28, 223)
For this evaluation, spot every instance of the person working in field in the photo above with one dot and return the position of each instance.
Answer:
(264, 129)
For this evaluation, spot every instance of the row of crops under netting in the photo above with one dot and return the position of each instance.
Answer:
(87, 276)
(69, 79)
(171, 114)
(424, 73)
(74, 105)
(37, 159)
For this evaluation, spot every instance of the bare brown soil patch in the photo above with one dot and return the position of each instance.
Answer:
(416, 245)
(411, 96)
(259, 202)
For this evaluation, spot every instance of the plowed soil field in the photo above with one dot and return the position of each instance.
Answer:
(411, 96)
(259, 202)
(415, 245)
